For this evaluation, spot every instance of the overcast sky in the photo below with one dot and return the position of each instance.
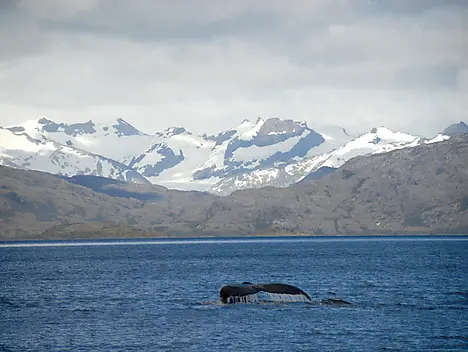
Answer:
(208, 64)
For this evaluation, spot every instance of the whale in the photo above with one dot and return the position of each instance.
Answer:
(232, 292)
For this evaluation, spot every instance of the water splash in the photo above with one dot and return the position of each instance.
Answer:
(283, 297)
(244, 299)
(268, 297)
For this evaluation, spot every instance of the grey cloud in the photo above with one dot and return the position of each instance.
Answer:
(404, 7)
(19, 37)
(248, 26)
(428, 77)
(347, 61)
(56, 8)
(7, 5)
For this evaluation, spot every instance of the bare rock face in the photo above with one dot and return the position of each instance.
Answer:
(72, 130)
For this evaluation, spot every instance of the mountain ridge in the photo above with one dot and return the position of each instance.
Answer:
(273, 151)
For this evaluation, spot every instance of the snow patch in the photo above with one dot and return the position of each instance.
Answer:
(438, 138)
(261, 153)
(248, 135)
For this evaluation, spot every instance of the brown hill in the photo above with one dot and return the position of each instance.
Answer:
(33, 204)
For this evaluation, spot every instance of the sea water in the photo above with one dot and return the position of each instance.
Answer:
(406, 294)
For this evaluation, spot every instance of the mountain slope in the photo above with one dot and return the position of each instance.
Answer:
(175, 157)
(266, 143)
(172, 158)
(35, 204)
(20, 150)
(420, 189)
(379, 140)
(270, 152)
(117, 140)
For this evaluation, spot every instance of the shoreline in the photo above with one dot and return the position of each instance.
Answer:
(221, 238)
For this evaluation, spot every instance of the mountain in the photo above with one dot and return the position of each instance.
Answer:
(40, 205)
(117, 140)
(172, 157)
(423, 189)
(18, 149)
(175, 157)
(456, 129)
(267, 152)
(379, 140)
(255, 148)
(263, 144)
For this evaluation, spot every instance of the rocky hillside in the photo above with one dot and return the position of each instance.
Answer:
(35, 204)
(423, 189)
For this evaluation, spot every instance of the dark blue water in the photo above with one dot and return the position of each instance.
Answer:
(407, 294)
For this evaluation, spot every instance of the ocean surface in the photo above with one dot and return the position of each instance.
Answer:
(406, 294)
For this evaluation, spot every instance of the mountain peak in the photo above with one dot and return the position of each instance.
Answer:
(381, 130)
(275, 125)
(456, 129)
(46, 125)
(45, 121)
(121, 121)
(174, 131)
(383, 135)
(123, 128)
(249, 130)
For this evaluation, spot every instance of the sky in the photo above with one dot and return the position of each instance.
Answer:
(208, 64)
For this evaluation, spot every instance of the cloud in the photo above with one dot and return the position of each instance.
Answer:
(57, 8)
(208, 65)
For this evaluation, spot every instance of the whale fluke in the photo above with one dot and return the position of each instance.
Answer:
(229, 293)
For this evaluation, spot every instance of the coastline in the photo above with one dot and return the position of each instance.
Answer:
(175, 238)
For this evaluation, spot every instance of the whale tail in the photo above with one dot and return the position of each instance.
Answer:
(283, 289)
(240, 292)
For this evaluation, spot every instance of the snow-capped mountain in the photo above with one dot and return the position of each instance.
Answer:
(266, 143)
(272, 152)
(21, 151)
(379, 140)
(172, 157)
(179, 159)
(117, 140)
